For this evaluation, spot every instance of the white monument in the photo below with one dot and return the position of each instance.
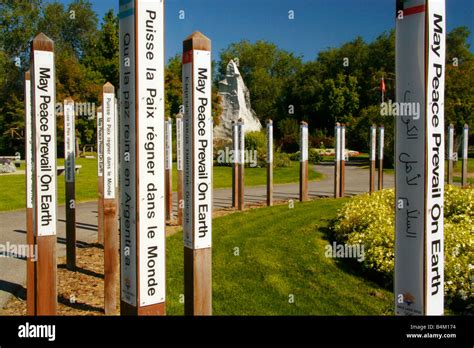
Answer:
(235, 102)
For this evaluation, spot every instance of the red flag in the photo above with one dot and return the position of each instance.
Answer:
(382, 85)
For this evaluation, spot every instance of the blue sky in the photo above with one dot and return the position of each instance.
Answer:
(318, 24)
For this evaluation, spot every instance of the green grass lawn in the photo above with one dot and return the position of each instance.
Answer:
(281, 254)
(13, 186)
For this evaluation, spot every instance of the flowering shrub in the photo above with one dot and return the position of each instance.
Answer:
(369, 220)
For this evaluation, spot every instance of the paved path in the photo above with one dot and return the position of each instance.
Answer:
(13, 230)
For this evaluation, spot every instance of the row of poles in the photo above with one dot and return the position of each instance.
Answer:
(136, 175)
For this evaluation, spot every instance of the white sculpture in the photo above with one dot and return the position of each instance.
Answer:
(235, 102)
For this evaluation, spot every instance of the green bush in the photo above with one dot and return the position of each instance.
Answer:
(314, 156)
(369, 220)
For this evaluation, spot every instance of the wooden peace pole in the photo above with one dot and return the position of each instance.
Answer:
(343, 161)
(45, 181)
(465, 141)
(303, 161)
(168, 169)
(241, 164)
(198, 141)
(70, 181)
(381, 147)
(179, 165)
(269, 163)
(111, 243)
(337, 160)
(142, 165)
(100, 175)
(30, 237)
(373, 150)
(235, 167)
(450, 153)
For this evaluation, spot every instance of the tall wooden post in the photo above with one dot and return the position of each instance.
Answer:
(142, 182)
(100, 175)
(343, 160)
(179, 165)
(303, 161)
(29, 170)
(70, 181)
(168, 169)
(419, 158)
(235, 165)
(269, 163)
(111, 242)
(373, 150)
(45, 181)
(337, 160)
(241, 164)
(198, 142)
(465, 141)
(381, 146)
(450, 153)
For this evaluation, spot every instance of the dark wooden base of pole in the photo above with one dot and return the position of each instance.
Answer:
(450, 172)
(380, 186)
(337, 179)
(111, 257)
(303, 181)
(198, 281)
(30, 265)
(46, 287)
(70, 226)
(464, 173)
(240, 187)
(372, 177)
(343, 179)
(269, 184)
(235, 185)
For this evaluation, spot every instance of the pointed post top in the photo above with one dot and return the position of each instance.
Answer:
(269, 121)
(338, 124)
(99, 109)
(27, 74)
(466, 126)
(68, 100)
(303, 123)
(42, 43)
(108, 88)
(196, 41)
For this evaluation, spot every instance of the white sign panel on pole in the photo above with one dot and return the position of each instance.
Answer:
(434, 228)
(235, 143)
(100, 144)
(28, 145)
(45, 143)
(179, 143)
(343, 143)
(108, 111)
(269, 142)
(150, 60)
(373, 141)
(337, 145)
(197, 78)
(451, 156)
(465, 139)
(420, 47)
(381, 142)
(304, 143)
(128, 209)
(241, 143)
(69, 141)
(168, 144)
